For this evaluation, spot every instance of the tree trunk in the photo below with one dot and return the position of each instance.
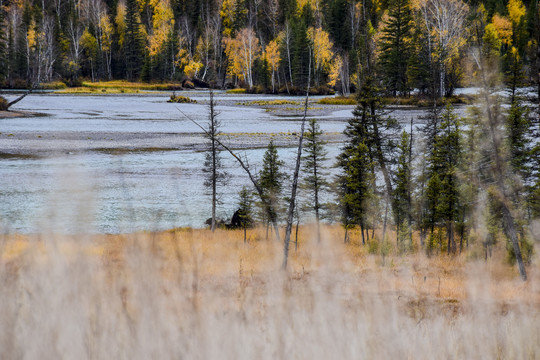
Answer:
(292, 201)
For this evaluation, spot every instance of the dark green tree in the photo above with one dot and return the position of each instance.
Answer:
(134, 42)
(245, 210)
(271, 182)
(213, 167)
(444, 163)
(402, 194)
(315, 180)
(396, 47)
(355, 184)
(372, 126)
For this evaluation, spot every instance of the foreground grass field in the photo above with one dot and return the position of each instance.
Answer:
(200, 295)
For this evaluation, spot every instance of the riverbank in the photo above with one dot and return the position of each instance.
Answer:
(19, 114)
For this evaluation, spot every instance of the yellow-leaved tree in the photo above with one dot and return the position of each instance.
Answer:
(273, 57)
(106, 40)
(162, 25)
(322, 50)
(242, 51)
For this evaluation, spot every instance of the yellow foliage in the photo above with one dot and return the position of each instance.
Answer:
(516, 10)
(162, 25)
(228, 9)
(106, 32)
(335, 70)
(120, 21)
(31, 36)
(242, 51)
(313, 4)
(491, 38)
(322, 47)
(272, 53)
(503, 26)
(192, 69)
(89, 42)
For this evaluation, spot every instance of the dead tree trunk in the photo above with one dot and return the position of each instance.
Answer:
(18, 99)
(292, 200)
(499, 172)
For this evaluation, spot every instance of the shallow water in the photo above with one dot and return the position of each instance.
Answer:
(125, 191)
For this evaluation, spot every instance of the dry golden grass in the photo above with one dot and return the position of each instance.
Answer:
(198, 294)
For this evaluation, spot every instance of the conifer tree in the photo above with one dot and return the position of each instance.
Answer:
(315, 181)
(444, 191)
(402, 193)
(395, 47)
(354, 185)
(271, 182)
(215, 175)
(133, 41)
(245, 204)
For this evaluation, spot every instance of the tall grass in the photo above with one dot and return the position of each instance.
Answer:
(200, 295)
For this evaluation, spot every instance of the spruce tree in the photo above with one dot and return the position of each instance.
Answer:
(215, 175)
(133, 41)
(445, 160)
(402, 192)
(395, 48)
(245, 204)
(315, 181)
(372, 126)
(355, 184)
(271, 182)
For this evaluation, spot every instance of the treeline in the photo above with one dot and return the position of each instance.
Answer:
(266, 45)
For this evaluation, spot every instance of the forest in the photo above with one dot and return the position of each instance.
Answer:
(407, 46)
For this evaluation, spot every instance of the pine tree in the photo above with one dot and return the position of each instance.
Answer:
(402, 192)
(215, 175)
(354, 186)
(445, 159)
(271, 181)
(315, 180)
(395, 48)
(133, 41)
(373, 127)
(245, 205)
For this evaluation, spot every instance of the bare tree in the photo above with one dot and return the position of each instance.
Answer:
(445, 19)
(212, 164)
(499, 171)
(292, 200)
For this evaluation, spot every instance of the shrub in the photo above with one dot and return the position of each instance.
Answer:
(3, 104)
(236, 91)
(181, 100)
(188, 84)
(53, 85)
(339, 100)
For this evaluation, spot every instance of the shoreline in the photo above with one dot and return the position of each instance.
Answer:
(10, 114)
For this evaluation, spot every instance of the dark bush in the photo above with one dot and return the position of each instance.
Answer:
(3, 104)
(188, 84)
(181, 100)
